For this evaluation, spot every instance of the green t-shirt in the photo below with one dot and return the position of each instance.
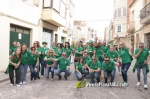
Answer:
(13, 49)
(86, 59)
(38, 49)
(79, 66)
(24, 57)
(94, 66)
(33, 59)
(44, 52)
(54, 48)
(58, 52)
(68, 51)
(79, 49)
(104, 49)
(98, 52)
(124, 54)
(50, 62)
(143, 56)
(112, 55)
(110, 66)
(15, 60)
(63, 63)
(90, 49)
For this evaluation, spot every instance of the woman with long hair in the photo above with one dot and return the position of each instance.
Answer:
(36, 44)
(81, 71)
(24, 63)
(50, 64)
(67, 49)
(14, 62)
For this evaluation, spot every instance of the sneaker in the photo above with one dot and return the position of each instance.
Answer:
(24, 82)
(145, 87)
(120, 74)
(125, 83)
(18, 85)
(42, 76)
(11, 84)
(138, 84)
(52, 79)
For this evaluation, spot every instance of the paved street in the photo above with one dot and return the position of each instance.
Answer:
(46, 89)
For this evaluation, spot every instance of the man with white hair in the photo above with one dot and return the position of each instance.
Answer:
(141, 54)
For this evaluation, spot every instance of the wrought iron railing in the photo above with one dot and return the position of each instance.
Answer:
(145, 11)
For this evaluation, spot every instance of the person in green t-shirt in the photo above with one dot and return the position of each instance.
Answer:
(94, 67)
(14, 62)
(44, 51)
(68, 50)
(81, 71)
(33, 61)
(50, 64)
(90, 48)
(112, 53)
(78, 53)
(64, 66)
(98, 52)
(24, 63)
(36, 44)
(104, 47)
(142, 56)
(123, 53)
(109, 68)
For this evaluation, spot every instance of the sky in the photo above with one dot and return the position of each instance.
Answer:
(97, 13)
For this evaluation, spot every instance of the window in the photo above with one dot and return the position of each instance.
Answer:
(119, 28)
(47, 3)
(56, 5)
(123, 11)
(120, 12)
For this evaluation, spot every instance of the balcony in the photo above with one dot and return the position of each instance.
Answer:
(145, 14)
(131, 27)
(53, 17)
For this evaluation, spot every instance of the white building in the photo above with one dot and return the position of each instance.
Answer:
(120, 19)
(27, 21)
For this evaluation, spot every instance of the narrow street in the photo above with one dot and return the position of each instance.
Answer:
(46, 89)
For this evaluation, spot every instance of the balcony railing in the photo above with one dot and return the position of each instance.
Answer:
(145, 12)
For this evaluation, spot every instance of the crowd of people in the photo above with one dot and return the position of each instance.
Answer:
(94, 58)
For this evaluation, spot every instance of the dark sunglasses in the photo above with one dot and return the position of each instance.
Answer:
(107, 60)
(140, 46)
(93, 59)
(64, 54)
(50, 52)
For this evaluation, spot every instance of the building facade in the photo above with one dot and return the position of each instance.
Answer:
(138, 23)
(120, 20)
(27, 21)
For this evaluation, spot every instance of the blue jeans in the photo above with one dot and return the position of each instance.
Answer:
(124, 70)
(107, 73)
(95, 75)
(143, 67)
(33, 72)
(23, 70)
(56, 65)
(101, 60)
(50, 69)
(80, 77)
(43, 65)
(67, 72)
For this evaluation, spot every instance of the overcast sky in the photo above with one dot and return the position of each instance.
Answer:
(96, 12)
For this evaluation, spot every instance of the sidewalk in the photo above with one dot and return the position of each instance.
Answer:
(3, 77)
